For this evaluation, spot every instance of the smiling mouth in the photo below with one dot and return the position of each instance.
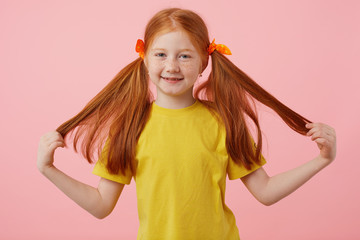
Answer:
(172, 80)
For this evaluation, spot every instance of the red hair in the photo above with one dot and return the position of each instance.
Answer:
(121, 110)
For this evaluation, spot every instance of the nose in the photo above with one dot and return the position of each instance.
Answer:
(172, 65)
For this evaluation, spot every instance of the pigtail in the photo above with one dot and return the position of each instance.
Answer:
(118, 113)
(232, 93)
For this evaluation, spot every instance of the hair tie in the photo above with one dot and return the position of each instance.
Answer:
(140, 48)
(221, 48)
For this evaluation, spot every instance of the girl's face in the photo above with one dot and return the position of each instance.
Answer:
(174, 65)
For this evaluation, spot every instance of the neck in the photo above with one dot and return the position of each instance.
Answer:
(174, 102)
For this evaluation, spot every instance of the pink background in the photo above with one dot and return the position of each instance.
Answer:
(56, 55)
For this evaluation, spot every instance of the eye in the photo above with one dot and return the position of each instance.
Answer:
(160, 54)
(185, 56)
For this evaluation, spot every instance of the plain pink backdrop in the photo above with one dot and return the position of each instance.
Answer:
(56, 55)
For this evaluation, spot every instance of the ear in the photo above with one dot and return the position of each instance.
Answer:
(203, 65)
(201, 70)
(145, 62)
(146, 66)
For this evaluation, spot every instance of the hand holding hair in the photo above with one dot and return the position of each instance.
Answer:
(49, 142)
(98, 201)
(269, 190)
(325, 138)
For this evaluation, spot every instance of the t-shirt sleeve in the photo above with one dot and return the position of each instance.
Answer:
(101, 170)
(235, 171)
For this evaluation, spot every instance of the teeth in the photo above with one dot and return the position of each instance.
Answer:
(173, 79)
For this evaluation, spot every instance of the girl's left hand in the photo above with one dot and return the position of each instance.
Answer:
(325, 137)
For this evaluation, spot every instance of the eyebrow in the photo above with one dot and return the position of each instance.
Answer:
(181, 50)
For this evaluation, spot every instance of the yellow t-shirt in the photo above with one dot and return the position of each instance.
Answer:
(182, 162)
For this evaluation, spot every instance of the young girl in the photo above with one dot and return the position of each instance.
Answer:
(180, 147)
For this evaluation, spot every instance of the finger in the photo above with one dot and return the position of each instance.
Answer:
(325, 127)
(322, 141)
(314, 124)
(324, 135)
(59, 138)
(49, 139)
(309, 125)
(55, 145)
(54, 136)
(315, 129)
(317, 124)
(317, 135)
(50, 136)
(311, 131)
(319, 127)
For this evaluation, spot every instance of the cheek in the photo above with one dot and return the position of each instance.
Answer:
(154, 68)
(191, 69)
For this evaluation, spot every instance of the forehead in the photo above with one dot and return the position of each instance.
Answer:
(173, 40)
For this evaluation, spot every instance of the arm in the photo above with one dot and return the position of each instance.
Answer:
(269, 190)
(98, 201)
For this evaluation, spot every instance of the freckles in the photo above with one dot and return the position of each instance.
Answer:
(155, 66)
(189, 67)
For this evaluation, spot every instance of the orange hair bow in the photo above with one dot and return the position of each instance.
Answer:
(221, 48)
(140, 48)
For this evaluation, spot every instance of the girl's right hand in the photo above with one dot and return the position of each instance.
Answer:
(47, 146)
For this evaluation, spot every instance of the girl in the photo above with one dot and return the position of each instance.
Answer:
(180, 147)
